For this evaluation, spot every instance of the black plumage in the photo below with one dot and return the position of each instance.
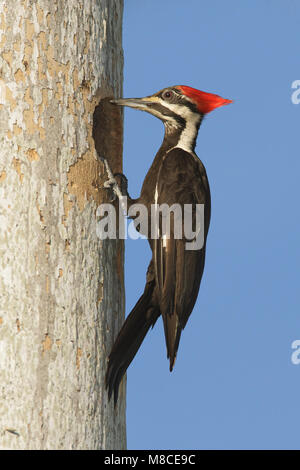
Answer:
(177, 176)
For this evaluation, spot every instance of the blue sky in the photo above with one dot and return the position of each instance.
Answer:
(234, 385)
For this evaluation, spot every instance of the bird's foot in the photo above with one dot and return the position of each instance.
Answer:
(116, 192)
(123, 185)
(111, 184)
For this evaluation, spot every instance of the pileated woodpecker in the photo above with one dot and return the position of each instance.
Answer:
(176, 176)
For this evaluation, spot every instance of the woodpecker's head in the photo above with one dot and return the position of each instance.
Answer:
(181, 108)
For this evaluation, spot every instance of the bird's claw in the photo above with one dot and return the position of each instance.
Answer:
(123, 184)
(110, 183)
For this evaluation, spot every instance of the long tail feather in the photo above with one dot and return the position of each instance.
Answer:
(129, 339)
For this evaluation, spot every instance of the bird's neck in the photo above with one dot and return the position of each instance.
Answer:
(183, 134)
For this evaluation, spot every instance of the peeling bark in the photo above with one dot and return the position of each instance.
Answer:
(61, 288)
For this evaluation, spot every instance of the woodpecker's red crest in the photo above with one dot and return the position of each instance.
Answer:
(175, 100)
(181, 108)
(205, 102)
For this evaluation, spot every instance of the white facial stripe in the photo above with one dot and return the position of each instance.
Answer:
(188, 135)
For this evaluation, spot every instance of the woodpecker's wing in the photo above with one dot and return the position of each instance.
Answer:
(182, 180)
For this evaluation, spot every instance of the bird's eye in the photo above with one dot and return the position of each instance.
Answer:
(167, 95)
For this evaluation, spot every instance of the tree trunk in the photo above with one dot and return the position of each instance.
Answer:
(61, 288)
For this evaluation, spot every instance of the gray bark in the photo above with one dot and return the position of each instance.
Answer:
(61, 288)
